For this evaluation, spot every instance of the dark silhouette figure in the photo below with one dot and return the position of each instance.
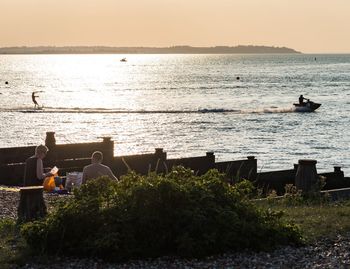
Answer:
(6, 82)
(36, 105)
(301, 99)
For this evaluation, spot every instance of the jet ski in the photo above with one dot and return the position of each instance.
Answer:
(308, 106)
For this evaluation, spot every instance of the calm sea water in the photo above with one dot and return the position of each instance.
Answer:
(186, 104)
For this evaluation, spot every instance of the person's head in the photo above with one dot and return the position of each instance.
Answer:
(97, 157)
(41, 151)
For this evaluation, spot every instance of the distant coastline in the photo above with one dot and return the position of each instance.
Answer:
(146, 50)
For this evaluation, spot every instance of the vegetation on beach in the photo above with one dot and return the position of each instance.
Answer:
(180, 214)
(13, 248)
(155, 215)
(318, 220)
(314, 213)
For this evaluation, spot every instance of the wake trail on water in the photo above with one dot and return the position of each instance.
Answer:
(141, 111)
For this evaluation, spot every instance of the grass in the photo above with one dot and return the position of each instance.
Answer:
(13, 249)
(316, 220)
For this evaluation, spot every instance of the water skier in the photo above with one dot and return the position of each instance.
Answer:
(36, 105)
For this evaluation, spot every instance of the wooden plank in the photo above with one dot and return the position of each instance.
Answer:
(75, 151)
(16, 155)
(242, 168)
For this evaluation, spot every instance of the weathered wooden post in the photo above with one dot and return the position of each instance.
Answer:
(211, 160)
(210, 155)
(253, 167)
(159, 160)
(306, 175)
(108, 150)
(338, 172)
(50, 142)
(159, 154)
(50, 139)
(31, 205)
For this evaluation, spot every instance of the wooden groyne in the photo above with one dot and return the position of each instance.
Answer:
(73, 157)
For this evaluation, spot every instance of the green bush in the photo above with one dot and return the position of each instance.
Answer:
(155, 215)
(13, 250)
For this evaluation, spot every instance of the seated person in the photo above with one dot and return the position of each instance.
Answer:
(53, 183)
(301, 99)
(34, 171)
(96, 169)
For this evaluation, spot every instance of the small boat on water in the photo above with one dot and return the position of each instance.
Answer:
(308, 106)
(123, 60)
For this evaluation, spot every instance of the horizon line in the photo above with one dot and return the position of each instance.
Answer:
(176, 49)
(163, 47)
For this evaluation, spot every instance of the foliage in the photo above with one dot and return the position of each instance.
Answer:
(12, 247)
(155, 215)
(293, 196)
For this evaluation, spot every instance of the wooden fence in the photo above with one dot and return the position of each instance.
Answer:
(73, 157)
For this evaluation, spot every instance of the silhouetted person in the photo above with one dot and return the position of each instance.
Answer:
(36, 105)
(96, 169)
(6, 82)
(301, 99)
(34, 171)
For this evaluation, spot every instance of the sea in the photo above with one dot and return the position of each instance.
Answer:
(235, 105)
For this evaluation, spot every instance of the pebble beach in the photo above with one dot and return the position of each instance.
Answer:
(325, 253)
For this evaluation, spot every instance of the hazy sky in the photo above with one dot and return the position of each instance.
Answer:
(304, 25)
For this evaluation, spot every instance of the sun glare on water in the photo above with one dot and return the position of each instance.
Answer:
(96, 81)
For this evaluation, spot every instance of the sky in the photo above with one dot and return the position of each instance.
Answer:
(309, 26)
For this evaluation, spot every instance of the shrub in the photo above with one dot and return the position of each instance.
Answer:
(155, 215)
(12, 247)
(295, 197)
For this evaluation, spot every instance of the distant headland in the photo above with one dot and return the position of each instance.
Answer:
(145, 50)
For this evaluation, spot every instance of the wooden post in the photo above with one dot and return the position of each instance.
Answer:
(253, 167)
(338, 172)
(160, 154)
(50, 142)
(31, 205)
(210, 155)
(210, 161)
(108, 150)
(158, 162)
(306, 175)
(50, 139)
